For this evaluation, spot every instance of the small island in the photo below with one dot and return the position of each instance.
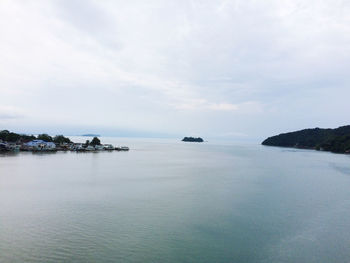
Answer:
(192, 139)
(332, 140)
(91, 135)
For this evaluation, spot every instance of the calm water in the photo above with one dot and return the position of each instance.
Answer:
(168, 201)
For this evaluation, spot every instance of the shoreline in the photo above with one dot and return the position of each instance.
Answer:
(305, 148)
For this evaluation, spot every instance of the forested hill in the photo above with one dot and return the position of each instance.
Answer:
(334, 140)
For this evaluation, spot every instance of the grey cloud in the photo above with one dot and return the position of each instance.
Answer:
(90, 19)
(219, 67)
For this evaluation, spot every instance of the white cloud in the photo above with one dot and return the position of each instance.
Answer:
(202, 104)
(10, 112)
(223, 107)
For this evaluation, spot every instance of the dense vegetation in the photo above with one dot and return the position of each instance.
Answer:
(192, 139)
(45, 137)
(333, 140)
(61, 139)
(95, 141)
(7, 136)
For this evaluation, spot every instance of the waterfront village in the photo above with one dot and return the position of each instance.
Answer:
(13, 142)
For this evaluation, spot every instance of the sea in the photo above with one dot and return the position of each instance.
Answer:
(170, 201)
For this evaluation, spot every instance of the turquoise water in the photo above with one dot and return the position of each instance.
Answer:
(168, 201)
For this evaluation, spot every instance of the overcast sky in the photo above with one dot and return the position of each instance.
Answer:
(227, 69)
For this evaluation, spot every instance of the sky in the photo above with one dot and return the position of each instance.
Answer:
(233, 70)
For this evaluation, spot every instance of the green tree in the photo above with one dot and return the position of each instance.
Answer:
(95, 141)
(87, 143)
(13, 137)
(4, 134)
(45, 137)
(61, 139)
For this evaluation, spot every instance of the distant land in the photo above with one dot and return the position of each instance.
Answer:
(332, 140)
(192, 139)
(91, 135)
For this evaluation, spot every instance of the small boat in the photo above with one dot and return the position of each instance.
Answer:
(108, 147)
(99, 147)
(90, 148)
(122, 148)
(78, 147)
